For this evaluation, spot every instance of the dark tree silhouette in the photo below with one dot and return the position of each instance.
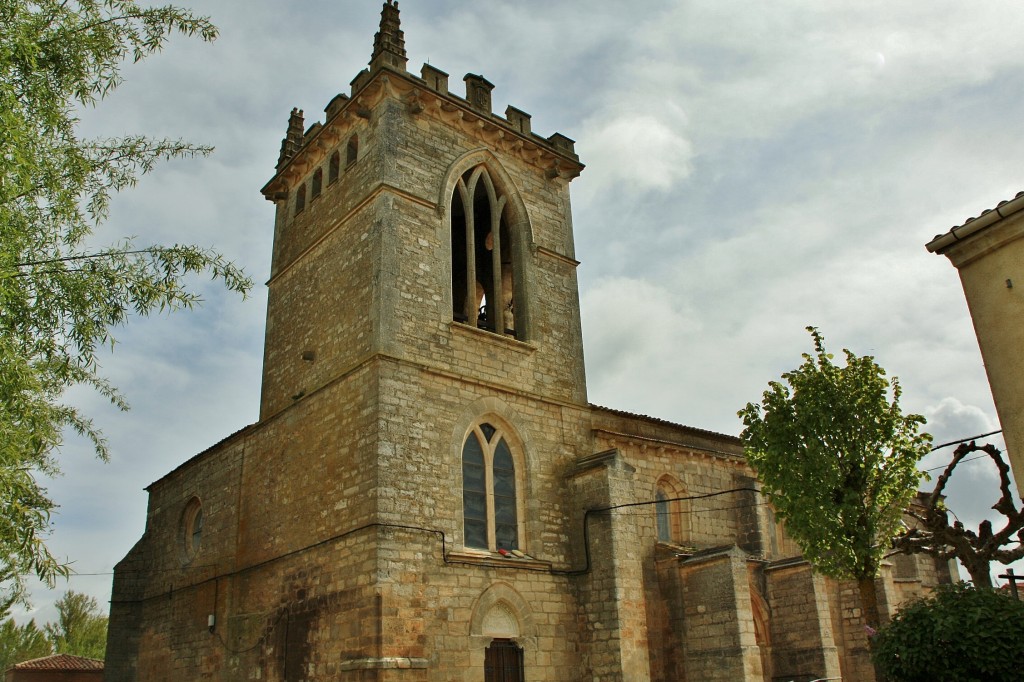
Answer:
(976, 550)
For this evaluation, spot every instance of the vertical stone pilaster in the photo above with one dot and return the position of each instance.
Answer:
(611, 596)
(803, 645)
(719, 639)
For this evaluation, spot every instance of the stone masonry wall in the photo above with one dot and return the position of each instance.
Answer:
(720, 643)
(803, 647)
(388, 286)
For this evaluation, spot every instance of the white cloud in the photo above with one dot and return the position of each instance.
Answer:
(635, 152)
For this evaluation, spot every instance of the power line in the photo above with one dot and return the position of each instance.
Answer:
(958, 442)
(963, 461)
(964, 440)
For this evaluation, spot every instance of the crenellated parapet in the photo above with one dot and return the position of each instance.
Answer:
(428, 96)
(425, 95)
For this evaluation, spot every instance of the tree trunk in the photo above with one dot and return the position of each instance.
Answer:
(872, 619)
(979, 572)
(869, 602)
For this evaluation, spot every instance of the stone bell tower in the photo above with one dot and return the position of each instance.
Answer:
(416, 226)
(400, 510)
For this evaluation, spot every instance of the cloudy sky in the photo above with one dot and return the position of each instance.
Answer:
(753, 167)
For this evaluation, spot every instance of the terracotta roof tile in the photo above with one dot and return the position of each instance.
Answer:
(988, 210)
(656, 420)
(60, 662)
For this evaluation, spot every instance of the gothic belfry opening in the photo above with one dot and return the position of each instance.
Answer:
(483, 280)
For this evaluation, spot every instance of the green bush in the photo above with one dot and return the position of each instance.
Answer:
(959, 634)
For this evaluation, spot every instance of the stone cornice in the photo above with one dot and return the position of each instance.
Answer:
(554, 156)
(648, 443)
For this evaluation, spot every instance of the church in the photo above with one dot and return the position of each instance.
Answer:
(428, 495)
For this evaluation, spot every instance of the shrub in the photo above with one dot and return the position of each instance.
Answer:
(959, 633)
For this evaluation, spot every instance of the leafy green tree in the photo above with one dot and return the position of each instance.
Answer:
(21, 643)
(60, 294)
(961, 633)
(838, 460)
(81, 629)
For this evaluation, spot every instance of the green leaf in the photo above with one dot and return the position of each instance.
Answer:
(837, 458)
(60, 298)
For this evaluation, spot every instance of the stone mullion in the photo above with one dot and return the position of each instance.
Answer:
(470, 310)
(495, 305)
(492, 539)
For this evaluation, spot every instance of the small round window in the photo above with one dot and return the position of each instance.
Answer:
(192, 528)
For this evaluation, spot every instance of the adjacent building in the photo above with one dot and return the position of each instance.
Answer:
(988, 252)
(428, 495)
(56, 668)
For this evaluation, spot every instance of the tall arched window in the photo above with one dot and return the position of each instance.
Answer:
(192, 528)
(333, 168)
(318, 182)
(490, 501)
(483, 278)
(672, 513)
(664, 513)
(352, 151)
(300, 198)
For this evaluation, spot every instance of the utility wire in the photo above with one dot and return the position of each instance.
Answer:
(957, 442)
(964, 440)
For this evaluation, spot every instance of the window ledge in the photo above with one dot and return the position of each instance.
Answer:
(470, 331)
(493, 559)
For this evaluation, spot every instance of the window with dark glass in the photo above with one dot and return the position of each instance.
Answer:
(483, 277)
(197, 530)
(318, 182)
(352, 151)
(664, 519)
(672, 512)
(192, 529)
(333, 168)
(489, 498)
(300, 198)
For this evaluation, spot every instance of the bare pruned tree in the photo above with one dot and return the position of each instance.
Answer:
(976, 550)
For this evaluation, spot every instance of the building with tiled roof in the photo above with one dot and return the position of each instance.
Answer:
(57, 668)
(988, 253)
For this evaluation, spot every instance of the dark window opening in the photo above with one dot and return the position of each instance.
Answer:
(474, 493)
(506, 528)
(318, 182)
(300, 198)
(197, 530)
(483, 278)
(352, 151)
(333, 168)
(503, 662)
(664, 521)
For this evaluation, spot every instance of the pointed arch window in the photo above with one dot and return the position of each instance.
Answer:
(192, 529)
(318, 182)
(352, 151)
(333, 168)
(483, 274)
(672, 514)
(490, 491)
(664, 516)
